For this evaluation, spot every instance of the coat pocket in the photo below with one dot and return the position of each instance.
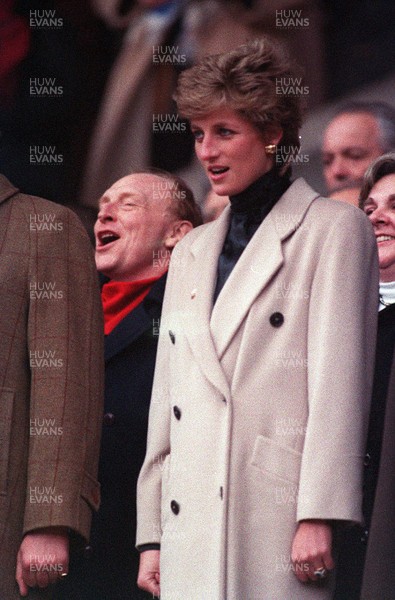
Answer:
(277, 460)
(7, 407)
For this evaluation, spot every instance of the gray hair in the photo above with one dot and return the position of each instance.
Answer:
(384, 115)
(382, 166)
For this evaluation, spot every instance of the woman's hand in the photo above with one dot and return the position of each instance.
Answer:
(312, 549)
(149, 577)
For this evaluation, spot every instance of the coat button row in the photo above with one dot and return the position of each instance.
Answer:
(175, 507)
(276, 319)
(109, 419)
(177, 412)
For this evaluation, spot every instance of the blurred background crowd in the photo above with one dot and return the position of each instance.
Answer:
(81, 81)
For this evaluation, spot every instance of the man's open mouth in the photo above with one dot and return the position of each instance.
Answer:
(106, 237)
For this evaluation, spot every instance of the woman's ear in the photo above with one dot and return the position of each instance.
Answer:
(273, 135)
(176, 232)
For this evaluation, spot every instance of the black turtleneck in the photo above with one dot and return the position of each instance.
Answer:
(248, 209)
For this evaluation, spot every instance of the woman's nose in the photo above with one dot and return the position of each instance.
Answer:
(379, 215)
(207, 149)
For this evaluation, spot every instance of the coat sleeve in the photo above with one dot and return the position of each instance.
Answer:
(341, 349)
(156, 463)
(65, 353)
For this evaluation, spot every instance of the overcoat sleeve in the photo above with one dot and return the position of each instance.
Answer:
(341, 344)
(65, 353)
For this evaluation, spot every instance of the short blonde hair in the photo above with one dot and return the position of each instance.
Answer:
(247, 80)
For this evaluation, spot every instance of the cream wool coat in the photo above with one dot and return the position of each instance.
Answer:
(260, 404)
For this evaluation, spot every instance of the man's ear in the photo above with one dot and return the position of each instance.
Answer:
(176, 232)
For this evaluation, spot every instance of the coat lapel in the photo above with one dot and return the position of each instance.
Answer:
(258, 264)
(203, 274)
(137, 322)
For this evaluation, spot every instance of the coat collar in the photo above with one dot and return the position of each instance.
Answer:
(137, 322)
(259, 262)
(7, 190)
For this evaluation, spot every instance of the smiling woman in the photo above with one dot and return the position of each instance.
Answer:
(364, 572)
(378, 201)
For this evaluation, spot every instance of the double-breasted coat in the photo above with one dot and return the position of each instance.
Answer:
(51, 374)
(260, 403)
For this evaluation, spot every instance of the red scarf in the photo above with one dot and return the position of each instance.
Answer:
(120, 297)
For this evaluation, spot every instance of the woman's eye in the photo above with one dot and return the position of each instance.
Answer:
(198, 135)
(225, 132)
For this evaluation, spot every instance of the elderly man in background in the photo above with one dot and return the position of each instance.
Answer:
(141, 218)
(358, 133)
(51, 390)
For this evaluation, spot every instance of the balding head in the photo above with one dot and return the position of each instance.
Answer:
(137, 224)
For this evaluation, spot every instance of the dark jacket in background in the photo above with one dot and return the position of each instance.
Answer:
(108, 567)
(365, 570)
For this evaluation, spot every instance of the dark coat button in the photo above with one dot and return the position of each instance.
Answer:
(364, 536)
(109, 419)
(88, 551)
(177, 412)
(367, 459)
(172, 337)
(175, 507)
(276, 319)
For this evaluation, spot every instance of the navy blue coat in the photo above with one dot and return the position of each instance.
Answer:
(108, 568)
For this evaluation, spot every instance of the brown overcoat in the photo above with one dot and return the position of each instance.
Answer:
(51, 374)
(260, 405)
